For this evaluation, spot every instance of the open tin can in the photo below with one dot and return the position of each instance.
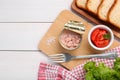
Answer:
(71, 36)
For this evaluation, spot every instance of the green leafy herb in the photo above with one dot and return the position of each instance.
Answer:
(89, 66)
(107, 36)
(102, 72)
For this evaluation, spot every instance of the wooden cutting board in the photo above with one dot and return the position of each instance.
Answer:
(89, 16)
(49, 43)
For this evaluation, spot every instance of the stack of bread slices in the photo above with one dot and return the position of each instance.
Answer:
(106, 10)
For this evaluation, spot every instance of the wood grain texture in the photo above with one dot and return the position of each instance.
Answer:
(49, 43)
(94, 19)
(20, 65)
(21, 36)
(31, 10)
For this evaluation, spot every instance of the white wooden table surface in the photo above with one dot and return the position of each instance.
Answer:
(22, 25)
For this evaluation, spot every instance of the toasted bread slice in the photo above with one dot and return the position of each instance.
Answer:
(92, 5)
(104, 9)
(114, 14)
(81, 3)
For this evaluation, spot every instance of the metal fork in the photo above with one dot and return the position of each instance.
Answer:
(64, 57)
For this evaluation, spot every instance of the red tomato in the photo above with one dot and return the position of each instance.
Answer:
(94, 34)
(98, 39)
(102, 43)
(101, 34)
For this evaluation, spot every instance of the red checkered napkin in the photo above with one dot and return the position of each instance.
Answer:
(55, 72)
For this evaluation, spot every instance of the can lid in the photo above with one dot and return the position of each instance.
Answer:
(75, 26)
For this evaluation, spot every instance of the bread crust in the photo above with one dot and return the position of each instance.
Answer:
(101, 15)
(97, 6)
(82, 6)
(110, 13)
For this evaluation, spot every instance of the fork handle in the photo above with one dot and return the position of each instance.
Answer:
(104, 55)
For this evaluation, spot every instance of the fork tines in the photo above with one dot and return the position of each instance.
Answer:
(57, 57)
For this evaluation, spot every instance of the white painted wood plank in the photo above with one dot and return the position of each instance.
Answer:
(32, 10)
(20, 65)
(21, 36)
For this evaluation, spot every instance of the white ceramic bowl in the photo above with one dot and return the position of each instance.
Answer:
(101, 27)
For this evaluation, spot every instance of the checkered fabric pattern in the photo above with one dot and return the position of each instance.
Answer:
(55, 72)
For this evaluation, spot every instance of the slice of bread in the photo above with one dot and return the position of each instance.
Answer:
(81, 3)
(92, 5)
(104, 9)
(114, 14)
